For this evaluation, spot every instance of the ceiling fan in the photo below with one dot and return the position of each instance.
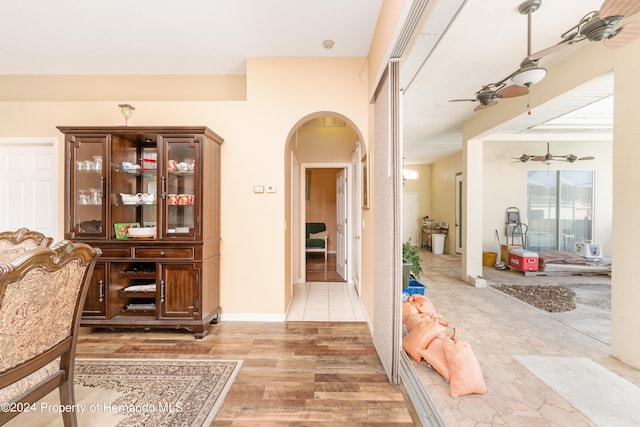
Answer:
(600, 25)
(548, 158)
(489, 95)
(529, 73)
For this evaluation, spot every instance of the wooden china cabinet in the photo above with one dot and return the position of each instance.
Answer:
(149, 198)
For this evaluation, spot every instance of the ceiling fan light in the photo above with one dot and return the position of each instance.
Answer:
(528, 76)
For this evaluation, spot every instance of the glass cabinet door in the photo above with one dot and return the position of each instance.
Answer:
(180, 186)
(133, 195)
(87, 187)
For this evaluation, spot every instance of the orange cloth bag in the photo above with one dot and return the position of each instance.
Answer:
(414, 319)
(423, 304)
(434, 355)
(420, 337)
(465, 375)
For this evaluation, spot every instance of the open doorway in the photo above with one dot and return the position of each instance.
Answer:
(325, 214)
(322, 184)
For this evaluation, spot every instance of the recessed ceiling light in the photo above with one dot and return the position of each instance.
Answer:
(328, 44)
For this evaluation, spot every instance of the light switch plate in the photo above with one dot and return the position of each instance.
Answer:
(271, 188)
(258, 188)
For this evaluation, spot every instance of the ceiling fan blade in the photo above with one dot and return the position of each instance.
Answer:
(553, 49)
(462, 100)
(482, 106)
(587, 158)
(513, 91)
(522, 159)
(628, 33)
(538, 158)
(619, 8)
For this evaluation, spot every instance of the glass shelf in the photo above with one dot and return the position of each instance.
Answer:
(181, 173)
(133, 204)
(136, 172)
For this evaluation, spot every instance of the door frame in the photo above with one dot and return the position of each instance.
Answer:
(301, 277)
(459, 207)
(356, 219)
(346, 227)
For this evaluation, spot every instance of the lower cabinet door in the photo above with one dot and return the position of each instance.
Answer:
(95, 304)
(178, 296)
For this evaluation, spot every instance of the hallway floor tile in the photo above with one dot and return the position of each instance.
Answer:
(325, 301)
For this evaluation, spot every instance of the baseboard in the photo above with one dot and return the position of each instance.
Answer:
(253, 317)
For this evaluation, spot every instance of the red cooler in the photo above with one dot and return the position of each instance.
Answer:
(523, 260)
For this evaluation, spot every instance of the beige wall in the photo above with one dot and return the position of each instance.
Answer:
(117, 88)
(507, 187)
(625, 316)
(444, 191)
(325, 145)
(280, 93)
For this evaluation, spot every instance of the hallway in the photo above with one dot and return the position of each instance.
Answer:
(325, 296)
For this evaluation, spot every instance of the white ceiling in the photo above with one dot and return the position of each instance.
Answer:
(175, 37)
(484, 43)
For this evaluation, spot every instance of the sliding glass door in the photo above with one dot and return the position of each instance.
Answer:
(559, 209)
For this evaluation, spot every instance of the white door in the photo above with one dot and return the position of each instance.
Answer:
(341, 223)
(459, 213)
(411, 219)
(28, 185)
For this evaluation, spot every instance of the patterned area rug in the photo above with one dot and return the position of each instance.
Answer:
(140, 392)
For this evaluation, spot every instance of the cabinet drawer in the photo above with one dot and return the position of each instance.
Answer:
(184, 253)
(116, 252)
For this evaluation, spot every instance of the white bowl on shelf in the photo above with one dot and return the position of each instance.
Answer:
(131, 199)
(142, 232)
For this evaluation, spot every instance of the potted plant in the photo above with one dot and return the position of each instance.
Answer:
(410, 262)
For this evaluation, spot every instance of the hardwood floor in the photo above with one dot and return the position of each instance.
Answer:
(293, 374)
(320, 270)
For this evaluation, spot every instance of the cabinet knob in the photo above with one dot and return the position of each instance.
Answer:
(162, 253)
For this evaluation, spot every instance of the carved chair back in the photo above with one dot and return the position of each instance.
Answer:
(42, 292)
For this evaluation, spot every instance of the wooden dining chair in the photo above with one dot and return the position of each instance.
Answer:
(42, 292)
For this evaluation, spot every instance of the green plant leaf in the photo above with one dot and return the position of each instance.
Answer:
(411, 255)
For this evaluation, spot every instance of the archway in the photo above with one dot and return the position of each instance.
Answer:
(330, 143)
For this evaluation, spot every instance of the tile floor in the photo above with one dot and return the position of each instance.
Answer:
(504, 333)
(325, 301)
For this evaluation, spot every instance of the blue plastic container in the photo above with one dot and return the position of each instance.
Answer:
(414, 287)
